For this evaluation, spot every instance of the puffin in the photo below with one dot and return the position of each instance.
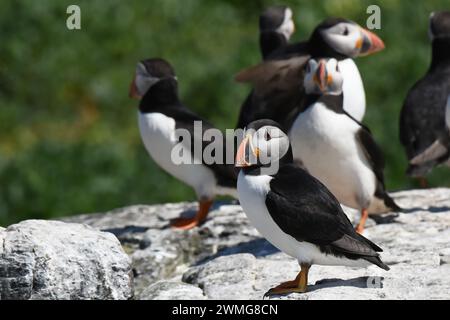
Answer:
(439, 151)
(423, 112)
(276, 80)
(335, 147)
(275, 30)
(162, 117)
(293, 210)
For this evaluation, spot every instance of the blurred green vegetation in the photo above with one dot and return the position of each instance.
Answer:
(69, 141)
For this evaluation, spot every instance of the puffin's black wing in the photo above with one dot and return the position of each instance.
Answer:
(422, 117)
(375, 156)
(440, 149)
(185, 119)
(372, 151)
(306, 210)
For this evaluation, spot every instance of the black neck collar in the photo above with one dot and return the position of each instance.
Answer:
(332, 102)
(163, 93)
(257, 170)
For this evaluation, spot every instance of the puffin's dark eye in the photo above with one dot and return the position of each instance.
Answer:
(267, 136)
(345, 33)
(337, 67)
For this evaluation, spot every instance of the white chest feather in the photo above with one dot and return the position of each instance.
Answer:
(353, 88)
(325, 141)
(158, 134)
(252, 192)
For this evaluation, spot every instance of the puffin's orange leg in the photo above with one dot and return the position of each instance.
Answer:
(298, 285)
(423, 182)
(200, 217)
(362, 221)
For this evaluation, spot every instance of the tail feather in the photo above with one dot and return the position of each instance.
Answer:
(377, 261)
(390, 203)
(370, 243)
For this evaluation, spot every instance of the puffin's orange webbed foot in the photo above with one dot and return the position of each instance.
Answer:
(200, 217)
(184, 223)
(299, 285)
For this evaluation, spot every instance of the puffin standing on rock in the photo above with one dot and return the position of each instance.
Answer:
(337, 149)
(294, 210)
(275, 29)
(423, 113)
(160, 114)
(277, 80)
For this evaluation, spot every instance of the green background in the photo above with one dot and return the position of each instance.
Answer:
(69, 141)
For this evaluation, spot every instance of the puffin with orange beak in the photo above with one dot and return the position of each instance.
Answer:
(337, 149)
(293, 210)
(276, 81)
(163, 122)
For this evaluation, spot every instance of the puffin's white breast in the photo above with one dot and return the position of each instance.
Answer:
(353, 88)
(158, 134)
(326, 143)
(252, 192)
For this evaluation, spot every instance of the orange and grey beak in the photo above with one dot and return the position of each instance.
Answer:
(246, 155)
(134, 93)
(369, 43)
(321, 77)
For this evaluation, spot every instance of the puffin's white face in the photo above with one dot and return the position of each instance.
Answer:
(287, 28)
(351, 40)
(271, 142)
(143, 80)
(323, 77)
(265, 147)
(430, 30)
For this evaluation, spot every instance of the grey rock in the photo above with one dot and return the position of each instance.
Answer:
(159, 252)
(56, 260)
(226, 258)
(171, 290)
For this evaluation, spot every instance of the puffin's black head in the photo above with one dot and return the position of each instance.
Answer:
(342, 38)
(265, 145)
(148, 73)
(278, 19)
(439, 24)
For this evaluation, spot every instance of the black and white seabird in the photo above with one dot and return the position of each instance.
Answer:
(161, 113)
(276, 81)
(337, 149)
(275, 29)
(294, 210)
(423, 113)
